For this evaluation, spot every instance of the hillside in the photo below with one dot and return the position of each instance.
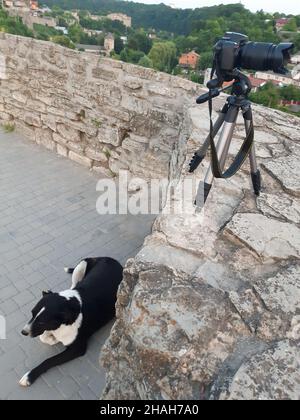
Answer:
(160, 16)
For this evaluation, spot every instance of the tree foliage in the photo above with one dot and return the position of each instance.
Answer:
(13, 25)
(140, 41)
(164, 56)
(63, 40)
(271, 95)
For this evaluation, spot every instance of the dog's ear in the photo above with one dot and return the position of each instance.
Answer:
(46, 292)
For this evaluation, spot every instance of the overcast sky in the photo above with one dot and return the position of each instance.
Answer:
(285, 6)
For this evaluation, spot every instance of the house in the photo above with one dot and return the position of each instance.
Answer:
(277, 78)
(109, 42)
(29, 11)
(256, 83)
(63, 29)
(109, 46)
(293, 106)
(92, 32)
(189, 60)
(20, 5)
(280, 23)
(295, 59)
(296, 72)
(121, 17)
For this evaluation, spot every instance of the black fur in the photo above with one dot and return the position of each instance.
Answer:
(98, 293)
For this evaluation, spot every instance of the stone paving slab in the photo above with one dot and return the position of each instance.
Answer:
(48, 220)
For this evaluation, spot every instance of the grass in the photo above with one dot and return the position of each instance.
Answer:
(113, 174)
(96, 123)
(107, 153)
(8, 127)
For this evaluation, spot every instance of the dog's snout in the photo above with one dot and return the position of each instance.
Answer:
(26, 330)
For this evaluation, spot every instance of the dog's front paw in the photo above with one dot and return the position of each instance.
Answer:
(48, 338)
(25, 381)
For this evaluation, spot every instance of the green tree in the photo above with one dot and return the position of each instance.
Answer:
(290, 93)
(140, 41)
(206, 60)
(63, 40)
(119, 45)
(296, 41)
(291, 26)
(145, 62)
(163, 56)
(131, 56)
(197, 78)
(268, 95)
(76, 33)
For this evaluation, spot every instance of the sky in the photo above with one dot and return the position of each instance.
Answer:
(285, 6)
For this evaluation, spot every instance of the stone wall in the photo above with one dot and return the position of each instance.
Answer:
(99, 112)
(209, 308)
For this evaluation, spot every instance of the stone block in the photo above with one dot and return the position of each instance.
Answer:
(82, 160)
(62, 151)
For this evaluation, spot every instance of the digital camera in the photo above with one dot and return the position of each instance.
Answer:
(235, 51)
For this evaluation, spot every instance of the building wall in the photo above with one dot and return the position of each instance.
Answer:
(190, 60)
(105, 114)
(109, 44)
(126, 20)
(277, 77)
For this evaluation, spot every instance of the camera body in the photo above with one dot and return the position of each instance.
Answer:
(234, 51)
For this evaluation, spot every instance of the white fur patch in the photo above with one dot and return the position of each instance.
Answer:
(67, 334)
(25, 381)
(28, 327)
(79, 273)
(48, 338)
(69, 294)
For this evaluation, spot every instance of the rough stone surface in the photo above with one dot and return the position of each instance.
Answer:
(268, 237)
(209, 308)
(287, 172)
(278, 370)
(88, 103)
(286, 208)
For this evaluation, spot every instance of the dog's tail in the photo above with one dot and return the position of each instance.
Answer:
(69, 270)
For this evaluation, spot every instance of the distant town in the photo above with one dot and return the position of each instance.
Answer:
(116, 35)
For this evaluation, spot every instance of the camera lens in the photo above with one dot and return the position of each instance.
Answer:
(265, 56)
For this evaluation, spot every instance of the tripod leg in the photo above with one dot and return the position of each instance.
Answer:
(222, 149)
(255, 172)
(201, 153)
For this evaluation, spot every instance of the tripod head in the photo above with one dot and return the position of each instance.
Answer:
(240, 87)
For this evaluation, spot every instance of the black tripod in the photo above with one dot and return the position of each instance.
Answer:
(238, 101)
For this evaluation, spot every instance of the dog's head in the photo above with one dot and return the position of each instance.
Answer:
(52, 311)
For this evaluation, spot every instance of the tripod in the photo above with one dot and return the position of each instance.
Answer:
(238, 101)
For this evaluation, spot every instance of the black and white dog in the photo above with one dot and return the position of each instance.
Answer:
(73, 316)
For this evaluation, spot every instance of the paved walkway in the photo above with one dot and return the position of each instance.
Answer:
(47, 221)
